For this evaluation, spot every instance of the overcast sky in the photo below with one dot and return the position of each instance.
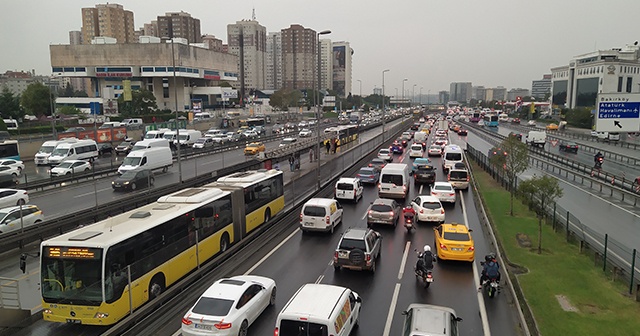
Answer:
(431, 43)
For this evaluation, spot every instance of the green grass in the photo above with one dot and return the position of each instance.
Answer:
(604, 309)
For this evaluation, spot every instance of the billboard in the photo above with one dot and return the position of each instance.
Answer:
(339, 69)
(114, 134)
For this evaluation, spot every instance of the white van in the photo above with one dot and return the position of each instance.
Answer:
(609, 136)
(320, 214)
(327, 309)
(74, 150)
(349, 188)
(419, 137)
(42, 156)
(202, 116)
(170, 136)
(132, 122)
(536, 138)
(156, 134)
(187, 137)
(11, 124)
(149, 143)
(452, 154)
(149, 158)
(394, 181)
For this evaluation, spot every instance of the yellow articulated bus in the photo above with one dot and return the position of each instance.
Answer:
(343, 134)
(98, 274)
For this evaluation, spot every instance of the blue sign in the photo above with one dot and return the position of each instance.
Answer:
(95, 108)
(618, 110)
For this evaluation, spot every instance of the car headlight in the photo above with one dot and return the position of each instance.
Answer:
(126, 182)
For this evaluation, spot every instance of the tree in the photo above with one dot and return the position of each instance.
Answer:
(579, 117)
(543, 190)
(68, 91)
(514, 162)
(37, 99)
(10, 104)
(142, 102)
(69, 110)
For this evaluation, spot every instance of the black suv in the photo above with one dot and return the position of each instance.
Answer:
(358, 249)
(424, 174)
(568, 146)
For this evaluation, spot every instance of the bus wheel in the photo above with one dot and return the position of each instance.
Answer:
(156, 286)
(224, 242)
(267, 215)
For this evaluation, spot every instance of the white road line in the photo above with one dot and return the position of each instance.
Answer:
(476, 279)
(420, 191)
(319, 280)
(404, 259)
(271, 252)
(364, 216)
(91, 193)
(392, 310)
(177, 333)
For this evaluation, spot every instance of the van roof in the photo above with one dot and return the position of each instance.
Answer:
(394, 167)
(324, 298)
(320, 201)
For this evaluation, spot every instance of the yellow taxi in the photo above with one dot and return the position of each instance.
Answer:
(253, 148)
(242, 129)
(454, 242)
(425, 130)
(552, 127)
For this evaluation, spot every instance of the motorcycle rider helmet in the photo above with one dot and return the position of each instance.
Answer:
(427, 248)
(489, 257)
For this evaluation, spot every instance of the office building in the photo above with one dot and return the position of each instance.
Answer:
(602, 71)
(519, 92)
(151, 29)
(460, 92)
(108, 20)
(212, 43)
(250, 37)
(540, 88)
(342, 72)
(273, 67)
(479, 93)
(443, 97)
(378, 91)
(326, 65)
(298, 57)
(75, 37)
(179, 25)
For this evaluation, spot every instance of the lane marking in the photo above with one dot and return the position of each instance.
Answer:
(319, 280)
(392, 310)
(91, 193)
(404, 259)
(271, 252)
(365, 215)
(476, 278)
(420, 191)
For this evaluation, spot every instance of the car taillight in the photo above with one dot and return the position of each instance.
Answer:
(448, 177)
(186, 321)
(222, 325)
(471, 249)
(370, 165)
(443, 246)
(421, 210)
(442, 211)
(300, 217)
(434, 193)
(327, 220)
(368, 257)
(354, 192)
(452, 194)
(276, 332)
(335, 255)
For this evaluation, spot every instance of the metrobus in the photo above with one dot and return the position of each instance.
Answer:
(475, 117)
(503, 117)
(9, 149)
(491, 120)
(252, 122)
(98, 274)
(11, 124)
(343, 134)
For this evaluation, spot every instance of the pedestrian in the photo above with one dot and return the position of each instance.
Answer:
(328, 145)
(291, 162)
(311, 155)
(297, 161)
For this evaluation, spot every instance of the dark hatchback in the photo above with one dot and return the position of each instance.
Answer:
(568, 146)
(105, 149)
(133, 179)
(424, 174)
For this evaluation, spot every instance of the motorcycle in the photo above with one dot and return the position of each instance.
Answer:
(598, 163)
(421, 273)
(408, 223)
(491, 286)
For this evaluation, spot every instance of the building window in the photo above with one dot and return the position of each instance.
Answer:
(629, 82)
(620, 79)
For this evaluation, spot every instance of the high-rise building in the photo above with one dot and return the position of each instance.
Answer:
(75, 37)
(378, 91)
(498, 93)
(298, 57)
(460, 91)
(443, 97)
(109, 20)
(273, 68)
(179, 25)
(151, 29)
(540, 88)
(212, 43)
(342, 54)
(326, 65)
(519, 92)
(479, 93)
(253, 45)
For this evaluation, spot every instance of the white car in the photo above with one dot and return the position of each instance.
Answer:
(434, 150)
(385, 154)
(229, 306)
(302, 124)
(19, 165)
(287, 141)
(444, 192)
(428, 209)
(415, 151)
(203, 143)
(10, 170)
(219, 138)
(305, 133)
(531, 123)
(70, 167)
(10, 217)
(13, 197)
(251, 134)
(594, 134)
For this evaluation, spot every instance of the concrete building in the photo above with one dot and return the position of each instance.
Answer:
(602, 71)
(273, 67)
(79, 84)
(479, 93)
(378, 91)
(198, 71)
(110, 20)
(75, 37)
(443, 97)
(253, 45)
(460, 91)
(540, 88)
(15, 81)
(212, 43)
(342, 72)
(298, 57)
(519, 92)
(326, 65)
(179, 25)
(151, 29)
(498, 93)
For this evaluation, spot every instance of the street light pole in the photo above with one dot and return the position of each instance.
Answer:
(317, 99)
(404, 80)
(413, 94)
(175, 94)
(383, 103)
(359, 81)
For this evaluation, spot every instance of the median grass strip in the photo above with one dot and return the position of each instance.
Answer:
(602, 306)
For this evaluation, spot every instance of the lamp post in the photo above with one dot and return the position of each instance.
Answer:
(359, 81)
(428, 93)
(413, 94)
(404, 80)
(383, 102)
(317, 102)
(421, 96)
(175, 94)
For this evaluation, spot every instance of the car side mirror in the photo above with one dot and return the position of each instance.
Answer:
(470, 230)
(458, 319)
(404, 312)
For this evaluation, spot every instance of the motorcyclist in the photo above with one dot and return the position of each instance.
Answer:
(490, 269)
(426, 259)
(409, 212)
(597, 157)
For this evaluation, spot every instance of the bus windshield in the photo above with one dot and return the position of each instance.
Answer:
(72, 275)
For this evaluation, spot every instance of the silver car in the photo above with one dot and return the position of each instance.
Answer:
(383, 211)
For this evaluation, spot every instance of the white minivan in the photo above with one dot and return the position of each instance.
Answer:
(349, 188)
(394, 181)
(74, 150)
(42, 156)
(452, 154)
(149, 158)
(320, 214)
(318, 309)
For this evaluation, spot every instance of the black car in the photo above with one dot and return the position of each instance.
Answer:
(516, 135)
(105, 149)
(124, 147)
(568, 146)
(8, 181)
(462, 131)
(415, 127)
(133, 179)
(424, 174)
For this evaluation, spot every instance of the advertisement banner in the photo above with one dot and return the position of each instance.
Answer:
(126, 90)
(115, 134)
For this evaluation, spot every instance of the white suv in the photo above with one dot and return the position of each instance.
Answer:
(349, 188)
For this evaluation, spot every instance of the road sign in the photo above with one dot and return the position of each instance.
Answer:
(554, 142)
(618, 112)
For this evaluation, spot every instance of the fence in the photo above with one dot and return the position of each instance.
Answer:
(611, 255)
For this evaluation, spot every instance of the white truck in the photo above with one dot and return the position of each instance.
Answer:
(149, 158)
(536, 138)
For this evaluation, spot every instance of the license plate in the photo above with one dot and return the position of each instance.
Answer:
(385, 188)
(429, 279)
(73, 321)
(202, 326)
(308, 224)
(457, 249)
(431, 218)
